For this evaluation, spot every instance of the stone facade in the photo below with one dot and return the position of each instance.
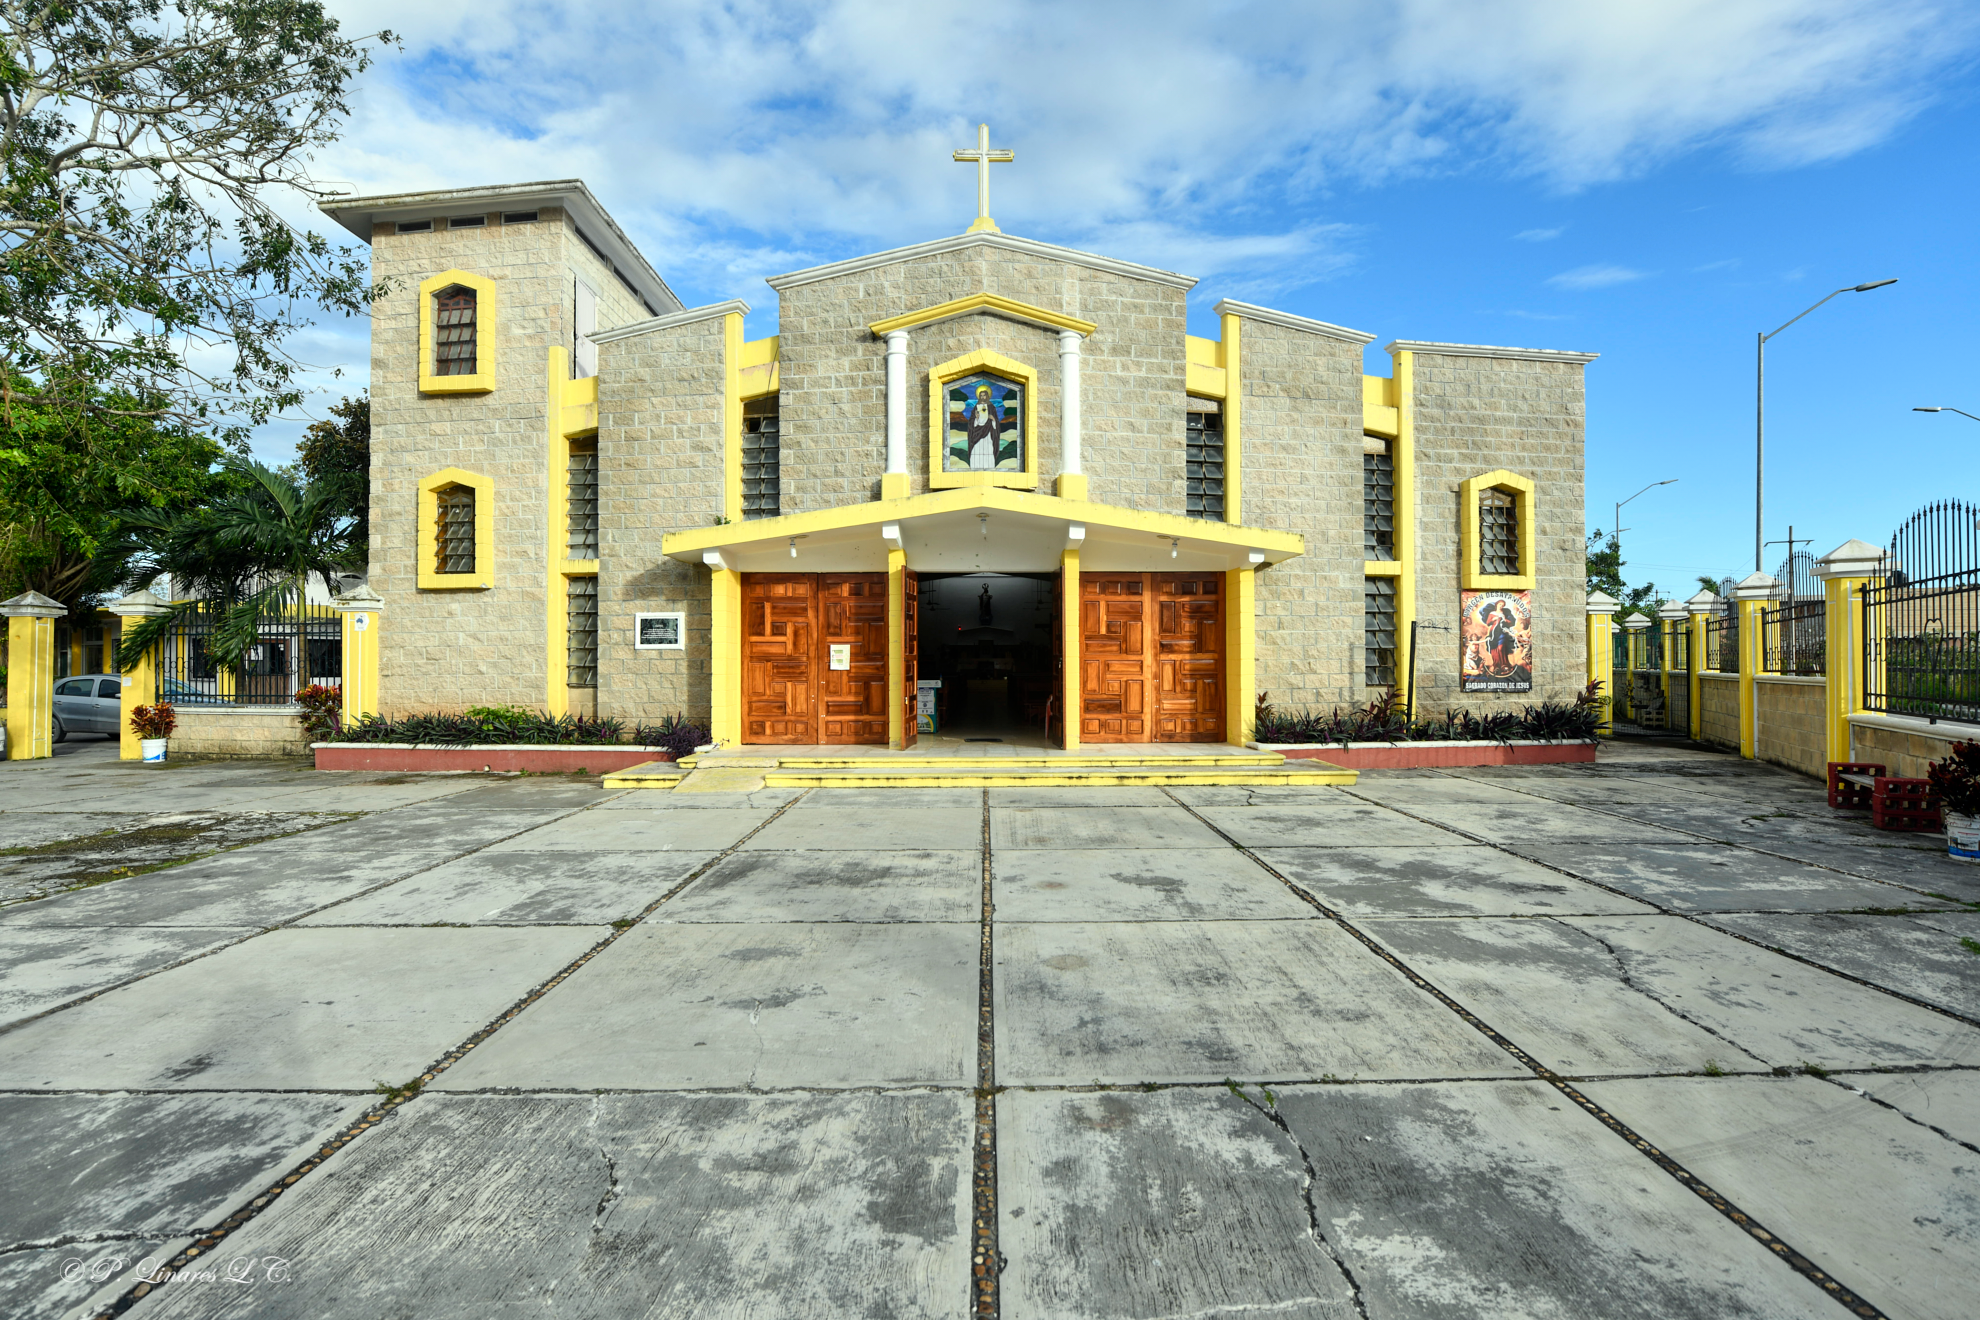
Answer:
(248, 731)
(1718, 702)
(1904, 747)
(1788, 714)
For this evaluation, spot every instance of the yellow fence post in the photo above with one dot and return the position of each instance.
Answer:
(363, 627)
(1751, 595)
(139, 687)
(31, 674)
(1601, 646)
(1700, 609)
(1845, 571)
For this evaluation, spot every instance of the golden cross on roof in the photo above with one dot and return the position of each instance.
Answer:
(983, 156)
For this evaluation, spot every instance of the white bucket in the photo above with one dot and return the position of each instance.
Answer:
(153, 750)
(1963, 837)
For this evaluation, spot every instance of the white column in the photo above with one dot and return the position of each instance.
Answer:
(1069, 402)
(897, 348)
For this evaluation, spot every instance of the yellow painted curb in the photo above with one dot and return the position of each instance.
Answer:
(1097, 778)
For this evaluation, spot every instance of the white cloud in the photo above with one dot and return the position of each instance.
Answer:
(1538, 235)
(1596, 277)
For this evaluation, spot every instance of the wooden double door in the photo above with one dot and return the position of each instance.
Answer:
(1151, 657)
(792, 692)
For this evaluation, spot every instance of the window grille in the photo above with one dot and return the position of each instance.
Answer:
(468, 222)
(453, 332)
(454, 542)
(581, 510)
(761, 464)
(1378, 631)
(1204, 494)
(1378, 506)
(581, 664)
(1498, 533)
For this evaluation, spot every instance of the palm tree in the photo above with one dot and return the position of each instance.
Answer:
(244, 556)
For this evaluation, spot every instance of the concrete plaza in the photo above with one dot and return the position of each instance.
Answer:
(1661, 1036)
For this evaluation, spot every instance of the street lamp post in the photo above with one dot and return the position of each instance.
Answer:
(1619, 508)
(1961, 411)
(1760, 418)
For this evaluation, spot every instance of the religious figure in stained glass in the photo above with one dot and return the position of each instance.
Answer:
(985, 425)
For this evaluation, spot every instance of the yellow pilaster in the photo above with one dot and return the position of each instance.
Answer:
(1752, 595)
(30, 685)
(1240, 654)
(363, 648)
(139, 686)
(1232, 329)
(732, 417)
(1402, 459)
(1701, 613)
(1600, 641)
(1069, 640)
(725, 655)
(1843, 661)
(897, 693)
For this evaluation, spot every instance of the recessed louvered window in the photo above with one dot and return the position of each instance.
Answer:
(1498, 533)
(581, 599)
(761, 462)
(1378, 631)
(454, 539)
(1204, 494)
(1378, 506)
(581, 511)
(453, 332)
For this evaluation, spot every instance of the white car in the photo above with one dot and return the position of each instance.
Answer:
(88, 703)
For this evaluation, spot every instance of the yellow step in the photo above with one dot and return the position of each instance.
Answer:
(1061, 760)
(1000, 776)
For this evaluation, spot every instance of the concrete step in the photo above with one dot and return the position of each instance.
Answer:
(970, 773)
(1045, 760)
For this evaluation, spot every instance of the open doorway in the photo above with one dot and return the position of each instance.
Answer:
(988, 640)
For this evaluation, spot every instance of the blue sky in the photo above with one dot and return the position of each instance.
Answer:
(1655, 183)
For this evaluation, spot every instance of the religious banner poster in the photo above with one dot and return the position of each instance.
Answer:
(986, 425)
(1496, 641)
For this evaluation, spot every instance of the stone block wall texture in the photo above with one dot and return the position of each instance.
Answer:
(456, 648)
(273, 731)
(1300, 456)
(1903, 753)
(833, 405)
(1472, 416)
(1719, 702)
(659, 470)
(1788, 724)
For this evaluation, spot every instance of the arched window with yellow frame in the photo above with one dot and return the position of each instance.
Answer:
(457, 315)
(1496, 532)
(456, 531)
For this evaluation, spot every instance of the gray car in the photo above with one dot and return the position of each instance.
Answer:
(88, 703)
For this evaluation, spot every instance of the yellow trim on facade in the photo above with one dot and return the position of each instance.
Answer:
(1378, 406)
(1381, 568)
(1240, 653)
(938, 382)
(1521, 489)
(1233, 348)
(725, 656)
(983, 302)
(1069, 640)
(732, 418)
(1203, 367)
(693, 540)
(1402, 464)
(576, 403)
(759, 370)
(483, 380)
(483, 576)
(896, 657)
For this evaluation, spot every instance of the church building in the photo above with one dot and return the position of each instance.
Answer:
(977, 486)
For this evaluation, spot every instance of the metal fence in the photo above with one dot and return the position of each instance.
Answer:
(294, 649)
(1679, 646)
(1794, 638)
(1722, 643)
(1921, 647)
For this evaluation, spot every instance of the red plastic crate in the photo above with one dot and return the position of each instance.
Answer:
(1904, 804)
(1845, 795)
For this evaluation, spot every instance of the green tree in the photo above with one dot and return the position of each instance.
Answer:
(144, 148)
(246, 554)
(336, 454)
(67, 472)
(1605, 574)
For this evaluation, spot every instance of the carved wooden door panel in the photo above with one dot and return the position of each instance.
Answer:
(780, 651)
(1113, 657)
(911, 657)
(852, 613)
(1188, 678)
